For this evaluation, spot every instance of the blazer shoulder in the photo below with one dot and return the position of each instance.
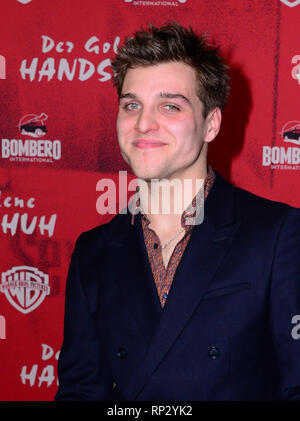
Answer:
(247, 198)
(95, 238)
(251, 206)
(265, 210)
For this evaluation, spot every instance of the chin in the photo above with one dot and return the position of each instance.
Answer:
(143, 173)
(143, 176)
(154, 169)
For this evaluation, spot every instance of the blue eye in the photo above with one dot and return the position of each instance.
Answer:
(131, 106)
(171, 107)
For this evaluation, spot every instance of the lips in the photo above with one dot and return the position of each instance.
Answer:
(148, 143)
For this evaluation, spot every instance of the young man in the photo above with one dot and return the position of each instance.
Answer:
(161, 309)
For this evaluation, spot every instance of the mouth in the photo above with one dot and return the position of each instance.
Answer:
(148, 143)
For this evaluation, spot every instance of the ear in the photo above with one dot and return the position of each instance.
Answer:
(213, 124)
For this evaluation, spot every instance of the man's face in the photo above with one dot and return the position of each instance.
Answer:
(160, 125)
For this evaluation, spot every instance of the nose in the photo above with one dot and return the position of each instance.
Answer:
(146, 121)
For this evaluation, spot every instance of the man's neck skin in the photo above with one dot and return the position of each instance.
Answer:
(165, 207)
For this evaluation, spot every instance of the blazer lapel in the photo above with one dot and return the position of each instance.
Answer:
(205, 251)
(134, 276)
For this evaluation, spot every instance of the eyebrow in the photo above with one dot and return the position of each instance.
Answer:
(174, 96)
(167, 95)
(128, 95)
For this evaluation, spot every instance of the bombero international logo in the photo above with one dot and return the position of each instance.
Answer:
(291, 132)
(33, 125)
(25, 287)
(161, 3)
(33, 148)
(284, 157)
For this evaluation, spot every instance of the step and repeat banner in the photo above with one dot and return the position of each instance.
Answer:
(58, 142)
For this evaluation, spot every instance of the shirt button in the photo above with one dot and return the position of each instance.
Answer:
(165, 296)
(155, 246)
(214, 352)
(121, 353)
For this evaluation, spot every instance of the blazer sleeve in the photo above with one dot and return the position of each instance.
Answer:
(285, 305)
(82, 370)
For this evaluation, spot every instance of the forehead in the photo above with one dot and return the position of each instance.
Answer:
(165, 77)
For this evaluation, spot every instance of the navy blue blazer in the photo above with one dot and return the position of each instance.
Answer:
(225, 332)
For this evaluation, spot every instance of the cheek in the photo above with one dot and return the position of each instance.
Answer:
(119, 124)
(124, 126)
(184, 134)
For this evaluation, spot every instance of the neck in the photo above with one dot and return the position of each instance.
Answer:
(164, 201)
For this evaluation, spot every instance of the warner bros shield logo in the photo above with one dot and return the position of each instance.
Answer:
(25, 287)
(290, 3)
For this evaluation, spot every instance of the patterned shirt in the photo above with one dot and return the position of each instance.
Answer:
(163, 276)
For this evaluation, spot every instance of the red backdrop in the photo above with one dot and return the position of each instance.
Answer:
(57, 134)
